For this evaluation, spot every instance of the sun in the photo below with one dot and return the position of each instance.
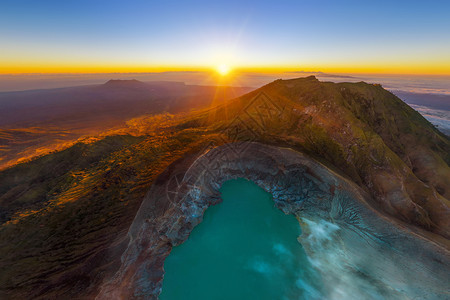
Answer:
(223, 69)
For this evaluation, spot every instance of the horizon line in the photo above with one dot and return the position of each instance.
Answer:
(235, 72)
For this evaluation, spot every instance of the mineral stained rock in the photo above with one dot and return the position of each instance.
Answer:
(363, 246)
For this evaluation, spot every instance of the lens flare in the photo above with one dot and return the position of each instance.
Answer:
(223, 70)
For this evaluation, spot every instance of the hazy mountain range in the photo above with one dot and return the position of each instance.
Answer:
(35, 122)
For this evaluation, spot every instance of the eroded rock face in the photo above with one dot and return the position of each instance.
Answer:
(361, 252)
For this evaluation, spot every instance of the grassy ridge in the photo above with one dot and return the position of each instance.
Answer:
(65, 215)
(66, 212)
(360, 129)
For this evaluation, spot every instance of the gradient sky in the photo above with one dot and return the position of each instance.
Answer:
(128, 36)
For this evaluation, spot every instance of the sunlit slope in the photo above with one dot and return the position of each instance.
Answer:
(65, 215)
(36, 122)
(361, 129)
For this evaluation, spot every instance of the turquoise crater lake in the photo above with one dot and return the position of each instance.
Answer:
(245, 248)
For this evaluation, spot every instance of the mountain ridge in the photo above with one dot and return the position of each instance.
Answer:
(366, 132)
(82, 200)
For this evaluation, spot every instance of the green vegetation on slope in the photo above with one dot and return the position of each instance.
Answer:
(362, 130)
(67, 213)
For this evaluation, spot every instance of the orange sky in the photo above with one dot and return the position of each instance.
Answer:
(388, 37)
(415, 69)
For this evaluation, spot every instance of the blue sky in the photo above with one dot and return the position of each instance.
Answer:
(309, 34)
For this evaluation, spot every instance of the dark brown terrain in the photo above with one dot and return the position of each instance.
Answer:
(37, 122)
(65, 215)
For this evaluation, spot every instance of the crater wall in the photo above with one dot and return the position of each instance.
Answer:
(359, 251)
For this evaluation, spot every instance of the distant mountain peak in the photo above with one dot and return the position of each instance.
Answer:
(299, 80)
(124, 82)
(302, 79)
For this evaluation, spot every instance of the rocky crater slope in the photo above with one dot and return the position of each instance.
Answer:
(371, 249)
(66, 216)
(361, 129)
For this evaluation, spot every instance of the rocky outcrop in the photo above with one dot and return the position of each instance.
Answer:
(366, 132)
(361, 242)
